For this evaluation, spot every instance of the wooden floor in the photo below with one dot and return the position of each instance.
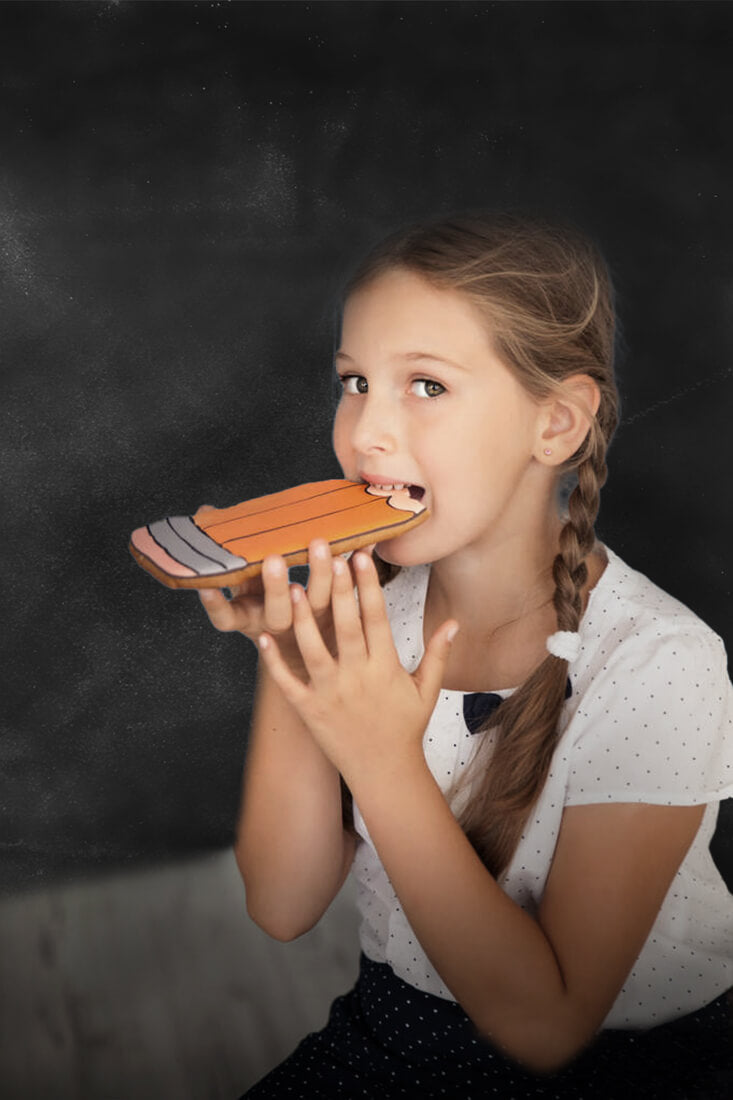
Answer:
(155, 985)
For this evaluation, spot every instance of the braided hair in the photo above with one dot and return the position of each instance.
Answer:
(546, 295)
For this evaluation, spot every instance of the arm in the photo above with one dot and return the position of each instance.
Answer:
(291, 848)
(538, 988)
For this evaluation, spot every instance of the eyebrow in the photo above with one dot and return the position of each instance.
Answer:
(415, 356)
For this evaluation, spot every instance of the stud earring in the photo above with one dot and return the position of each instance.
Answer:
(548, 451)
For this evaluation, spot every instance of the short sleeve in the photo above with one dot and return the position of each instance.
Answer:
(656, 724)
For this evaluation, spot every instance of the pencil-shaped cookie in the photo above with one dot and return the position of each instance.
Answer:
(220, 548)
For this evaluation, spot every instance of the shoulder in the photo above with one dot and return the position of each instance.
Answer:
(651, 715)
(632, 623)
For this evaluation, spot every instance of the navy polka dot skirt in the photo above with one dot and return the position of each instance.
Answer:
(386, 1040)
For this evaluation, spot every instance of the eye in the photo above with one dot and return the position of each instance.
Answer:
(352, 383)
(357, 384)
(431, 388)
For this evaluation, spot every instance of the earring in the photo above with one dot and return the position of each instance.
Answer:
(548, 451)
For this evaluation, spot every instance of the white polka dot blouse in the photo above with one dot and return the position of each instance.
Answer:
(649, 719)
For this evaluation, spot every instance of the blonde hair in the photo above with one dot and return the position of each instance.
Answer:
(547, 298)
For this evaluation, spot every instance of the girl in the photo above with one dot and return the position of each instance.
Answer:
(515, 742)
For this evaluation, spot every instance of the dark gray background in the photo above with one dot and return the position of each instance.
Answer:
(182, 188)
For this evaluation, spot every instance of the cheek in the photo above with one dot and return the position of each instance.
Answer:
(502, 444)
(458, 452)
(340, 434)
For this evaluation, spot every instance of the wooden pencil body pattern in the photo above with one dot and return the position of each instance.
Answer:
(222, 547)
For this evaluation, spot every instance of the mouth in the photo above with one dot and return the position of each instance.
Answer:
(416, 492)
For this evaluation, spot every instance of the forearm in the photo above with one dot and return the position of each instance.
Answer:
(291, 847)
(493, 956)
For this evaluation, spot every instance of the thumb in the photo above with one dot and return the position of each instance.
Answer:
(429, 673)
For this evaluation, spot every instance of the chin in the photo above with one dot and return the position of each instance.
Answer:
(397, 552)
(382, 549)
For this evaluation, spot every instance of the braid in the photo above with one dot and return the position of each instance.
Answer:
(526, 725)
(524, 731)
(547, 299)
(577, 537)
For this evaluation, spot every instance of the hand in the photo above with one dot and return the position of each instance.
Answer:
(263, 602)
(362, 707)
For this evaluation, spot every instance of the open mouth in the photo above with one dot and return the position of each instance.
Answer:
(416, 492)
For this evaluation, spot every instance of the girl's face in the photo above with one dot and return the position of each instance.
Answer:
(426, 402)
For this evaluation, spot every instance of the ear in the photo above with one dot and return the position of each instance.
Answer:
(566, 419)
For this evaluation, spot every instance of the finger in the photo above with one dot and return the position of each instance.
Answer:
(221, 613)
(369, 551)
(295, 691)
(376, 626)
(429, 673)
(278, 610)
(346, 618)
(203, 508)
(320, 578)
(316, 657)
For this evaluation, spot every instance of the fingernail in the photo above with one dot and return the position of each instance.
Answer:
(450, 635)
(296, 593)
(339, 566)
(263, 641)
(207, 595)
(321, 550)
(361, 561)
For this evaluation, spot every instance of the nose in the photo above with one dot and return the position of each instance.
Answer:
(375, 429)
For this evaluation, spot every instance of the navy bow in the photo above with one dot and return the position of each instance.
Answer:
(480, 704)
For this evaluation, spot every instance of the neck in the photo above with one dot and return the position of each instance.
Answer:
(487, 588)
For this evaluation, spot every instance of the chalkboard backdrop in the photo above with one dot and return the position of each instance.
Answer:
(183, 186)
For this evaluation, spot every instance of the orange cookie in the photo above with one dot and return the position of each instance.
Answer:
(222, 547)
